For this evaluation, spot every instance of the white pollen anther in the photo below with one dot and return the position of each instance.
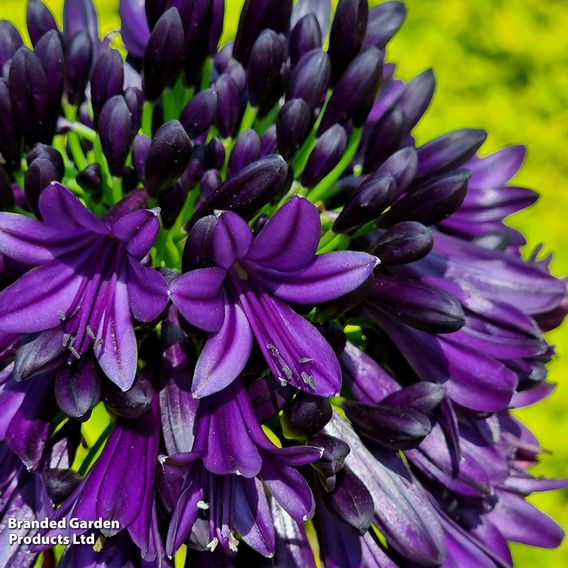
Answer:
(202, 505)
(213, 544)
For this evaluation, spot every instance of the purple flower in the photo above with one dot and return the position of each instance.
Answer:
(224, 472)
(89, 282)
(240, 298)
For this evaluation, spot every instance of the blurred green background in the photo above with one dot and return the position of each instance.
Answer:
(501, 65)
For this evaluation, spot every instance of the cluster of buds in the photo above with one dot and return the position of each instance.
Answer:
(243, 315)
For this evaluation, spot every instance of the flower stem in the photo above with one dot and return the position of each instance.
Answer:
(322, 190)
(94, 449)
(147, 112)
(248, 118)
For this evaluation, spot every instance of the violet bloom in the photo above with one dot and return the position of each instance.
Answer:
(224, 475)
(88, 283)
(239, 299)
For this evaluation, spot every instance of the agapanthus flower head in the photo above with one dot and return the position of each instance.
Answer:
(245, 318)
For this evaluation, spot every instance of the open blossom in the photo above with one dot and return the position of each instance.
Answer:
(240, 299)
(89, 283)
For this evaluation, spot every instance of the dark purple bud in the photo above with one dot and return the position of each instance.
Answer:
(305, 36)
(199, 113)
(416, 304)
(367, 204)
(134, 99)
(268, 143)
(351, 500)
(310, 78)
(402, 167)
(50, 52)
(228, 105)
(49, 152)
(395, 428)
(40, 174)
(223, 57)
(90, 178)
(236, 71)
(154, 9)
(402, 243)
(132, 403)
(10, 42)
(10, 139)
(130, 202)
(331, 462)
(84, 115)
(129, 179)
(348, 103)
(210, 181)
(115, 129)
(78, 60)
(325, 156)
(249, 190)
(39, 353)
(198, 251)
(305, 416)
(416, 97)
(197, 38)
(163, 59)
(449, 151)
(347, 34)
(216, 29)
(6, 192)
(171, 203)
(60, 483)
(39, 20)
(168, 156)
(140, 148)
(385, 138)
(292, 126)
(268, 397)
(432, 201)
(79, 15)
(423, 397)
(245, 151)
(196, 166)
(29, 92)
(384, 21)
(256, 16)
(321, 9)
(215, 154)
(78, 388)
(107, 79)
(263, 71)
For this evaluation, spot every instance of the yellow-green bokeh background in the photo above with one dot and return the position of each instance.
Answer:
(501, 65)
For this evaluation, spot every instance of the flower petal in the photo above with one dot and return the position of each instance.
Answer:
(198, 296)
(25, 239)
(290, 239)
(36, 301)
(63, 211)
(118, 354)
(330, 276)
(138, 229)
(147, 291)
(224, 355)
(232, 238)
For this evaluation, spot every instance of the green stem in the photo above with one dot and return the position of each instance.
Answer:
(338, 242)
(147, 112)
(83, 131)
(322, 190)
(169, 105)
(206, 74)
(116, 190)
(94, 449)
(248, 118)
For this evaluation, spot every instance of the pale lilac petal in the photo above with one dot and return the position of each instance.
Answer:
(330, 276)
(36, 301)
(135, 32)
(118, 354)
(147, 291)
(232, 238)
(62, 211)
(290, 239)
(198, 296)
(138, 230)
(224, 355)
(497, 168)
